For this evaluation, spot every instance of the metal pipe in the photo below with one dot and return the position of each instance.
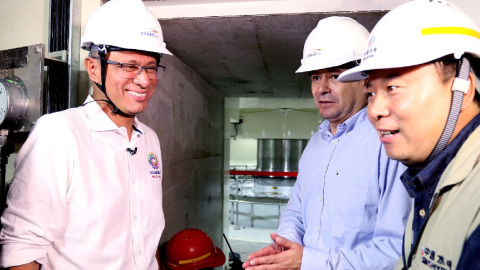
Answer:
(74, 52)
(247, 202)
(236, 204)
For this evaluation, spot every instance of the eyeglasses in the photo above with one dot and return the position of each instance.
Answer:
(131, 71)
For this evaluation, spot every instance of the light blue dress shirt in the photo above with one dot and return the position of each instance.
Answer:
(348, 207)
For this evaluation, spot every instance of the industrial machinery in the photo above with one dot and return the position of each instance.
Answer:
(282, 157)
(276, 171)
(273, 178)
(30, 86)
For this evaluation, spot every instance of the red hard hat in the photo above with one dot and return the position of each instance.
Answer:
(192, 249)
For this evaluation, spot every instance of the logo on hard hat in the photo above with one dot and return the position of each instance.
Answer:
(153, 161)
(371, 41)
(151, 33)
(313, 53)
(369, 53)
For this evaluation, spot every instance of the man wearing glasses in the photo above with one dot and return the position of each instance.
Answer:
(87, 188)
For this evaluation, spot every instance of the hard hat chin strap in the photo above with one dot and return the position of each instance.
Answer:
(103, 63)
(459, 88)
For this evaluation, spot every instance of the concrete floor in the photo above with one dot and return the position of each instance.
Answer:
(247, 240)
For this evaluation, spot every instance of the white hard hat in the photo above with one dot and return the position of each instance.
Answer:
(415, 33)
(126, 24)
(334, 42)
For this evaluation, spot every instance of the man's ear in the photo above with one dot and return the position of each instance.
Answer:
(470, 95)
(93, 69)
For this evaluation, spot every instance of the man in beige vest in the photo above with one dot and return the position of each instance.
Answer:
(420, 61)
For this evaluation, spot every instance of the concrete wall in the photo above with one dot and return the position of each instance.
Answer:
(188, 116)
(213, 8)
(243, 152)
(23, 22)
(270, 125)
(208, 8)
(279, 124)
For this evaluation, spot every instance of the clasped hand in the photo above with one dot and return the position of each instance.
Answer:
(282, 254)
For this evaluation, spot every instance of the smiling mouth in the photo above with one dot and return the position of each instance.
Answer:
(137, 94)
(388, 133)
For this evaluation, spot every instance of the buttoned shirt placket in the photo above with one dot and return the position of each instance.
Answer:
(332, 145)
(134, 202)
(347, 184)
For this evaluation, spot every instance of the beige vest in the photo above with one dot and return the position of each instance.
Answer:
(453, 217)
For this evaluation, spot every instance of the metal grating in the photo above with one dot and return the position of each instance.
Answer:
(59, 25)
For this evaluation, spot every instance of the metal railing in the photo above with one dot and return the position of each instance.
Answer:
(240, 180)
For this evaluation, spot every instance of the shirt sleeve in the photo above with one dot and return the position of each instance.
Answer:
(469, 258)
(384, 249)
(37, 196)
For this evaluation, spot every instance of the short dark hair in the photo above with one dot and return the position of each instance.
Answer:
(447, 68)
(347, 65)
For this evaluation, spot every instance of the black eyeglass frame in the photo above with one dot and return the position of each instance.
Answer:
(141, 67)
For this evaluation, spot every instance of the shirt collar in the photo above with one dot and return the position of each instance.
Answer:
(428, 175)
(138, 126)
(99, 120)
(346, 126)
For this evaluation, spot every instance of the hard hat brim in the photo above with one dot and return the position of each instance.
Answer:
(313, 66)
(354, 74)
(219, 258)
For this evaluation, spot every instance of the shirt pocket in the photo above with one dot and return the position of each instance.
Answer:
(347, 198)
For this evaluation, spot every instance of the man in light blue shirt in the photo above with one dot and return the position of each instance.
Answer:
(348, 209)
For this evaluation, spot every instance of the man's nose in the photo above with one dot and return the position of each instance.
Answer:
(142, 79)
(322, 86)
(378, 107)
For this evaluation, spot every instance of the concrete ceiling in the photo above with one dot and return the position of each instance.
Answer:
(250, 56)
